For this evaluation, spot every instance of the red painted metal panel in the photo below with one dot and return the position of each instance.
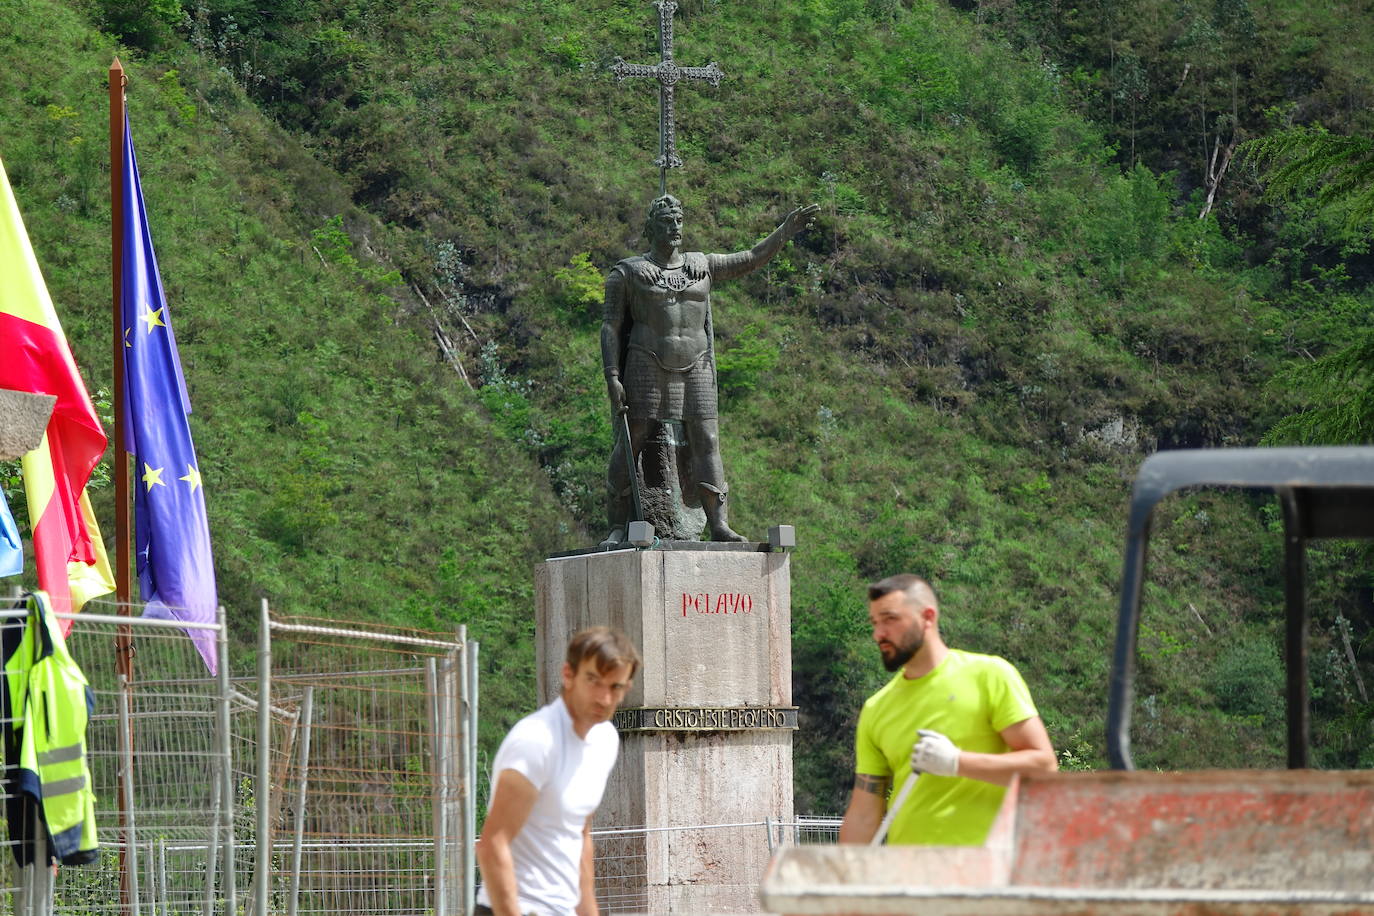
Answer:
(1207, 843)
(1258, 830)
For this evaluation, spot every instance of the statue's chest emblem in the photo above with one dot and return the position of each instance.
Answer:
(675, 280)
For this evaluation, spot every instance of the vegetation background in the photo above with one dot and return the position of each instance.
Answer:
(1044, 251)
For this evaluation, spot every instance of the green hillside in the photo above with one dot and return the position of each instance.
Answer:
(1008, 300)
(351, 477)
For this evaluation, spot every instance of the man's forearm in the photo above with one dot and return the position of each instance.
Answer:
(867, 805)
(999, 768)
(498, 876)
(586, 905)
(858, 829)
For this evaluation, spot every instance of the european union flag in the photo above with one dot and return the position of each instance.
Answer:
(171, 534)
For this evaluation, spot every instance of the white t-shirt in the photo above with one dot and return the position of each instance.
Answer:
(570, 774)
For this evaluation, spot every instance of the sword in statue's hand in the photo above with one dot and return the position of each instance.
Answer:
(637, 506)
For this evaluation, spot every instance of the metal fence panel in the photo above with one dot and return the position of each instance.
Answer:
(163, 738)
(371, 772)
(369, 751)
(371, 740)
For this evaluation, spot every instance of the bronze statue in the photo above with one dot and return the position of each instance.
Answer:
(658, 352)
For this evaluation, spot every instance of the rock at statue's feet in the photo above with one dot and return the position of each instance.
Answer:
(725, 533)
(615, 538)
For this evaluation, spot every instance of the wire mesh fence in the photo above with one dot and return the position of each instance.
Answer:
(158, 760)
(351, 759)
(342, 778)
(370, 766)
(806, 830)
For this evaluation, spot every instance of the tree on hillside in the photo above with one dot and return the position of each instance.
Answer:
(1337, 172)
(1339, 388)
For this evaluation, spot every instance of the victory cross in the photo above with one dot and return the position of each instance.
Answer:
(668, 74)
(658, 348)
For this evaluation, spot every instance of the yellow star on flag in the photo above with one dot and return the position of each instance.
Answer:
(152, 475)
(192, 477)
(126, 337)
(153, 319)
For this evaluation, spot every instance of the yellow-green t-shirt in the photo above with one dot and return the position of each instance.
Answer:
(970, 698)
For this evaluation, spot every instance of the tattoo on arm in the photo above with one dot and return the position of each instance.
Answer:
(874, 785)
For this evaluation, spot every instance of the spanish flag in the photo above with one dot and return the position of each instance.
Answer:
(34, 356)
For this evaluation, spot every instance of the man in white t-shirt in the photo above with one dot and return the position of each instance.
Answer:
(547, 779)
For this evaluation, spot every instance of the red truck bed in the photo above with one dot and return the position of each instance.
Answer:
(1235, 842)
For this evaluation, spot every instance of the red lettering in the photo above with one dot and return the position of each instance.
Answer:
(722, 603)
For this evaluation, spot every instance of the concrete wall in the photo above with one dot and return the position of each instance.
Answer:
(23, 418)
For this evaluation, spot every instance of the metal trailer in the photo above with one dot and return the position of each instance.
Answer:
(1289, 842)
(1324, 493)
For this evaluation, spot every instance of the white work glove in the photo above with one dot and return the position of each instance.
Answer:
(934, 754)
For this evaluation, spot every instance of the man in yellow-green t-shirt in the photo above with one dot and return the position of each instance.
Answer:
(964, 721)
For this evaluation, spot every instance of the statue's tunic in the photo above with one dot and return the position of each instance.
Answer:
(656, 392)
(667, 358)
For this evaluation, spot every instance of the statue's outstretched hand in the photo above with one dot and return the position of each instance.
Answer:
(800, 218)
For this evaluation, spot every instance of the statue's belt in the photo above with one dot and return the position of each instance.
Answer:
(687, 368)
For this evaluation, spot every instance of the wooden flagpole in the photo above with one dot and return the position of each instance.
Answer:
(124, 649)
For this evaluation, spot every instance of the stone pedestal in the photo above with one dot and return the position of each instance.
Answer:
(706, 732)
(23, 419)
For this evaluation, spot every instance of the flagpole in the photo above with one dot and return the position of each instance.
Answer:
(124, 656)
(121, 460)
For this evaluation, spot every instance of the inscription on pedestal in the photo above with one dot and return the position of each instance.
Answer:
(705, 718)
(722, 603)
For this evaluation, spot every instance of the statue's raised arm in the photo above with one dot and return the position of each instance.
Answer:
(730, 266)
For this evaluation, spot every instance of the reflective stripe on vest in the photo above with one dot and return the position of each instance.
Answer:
(60, 755)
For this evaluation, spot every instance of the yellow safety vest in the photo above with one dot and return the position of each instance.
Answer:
(50, 703)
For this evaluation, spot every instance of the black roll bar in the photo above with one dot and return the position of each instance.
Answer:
(1325, 492)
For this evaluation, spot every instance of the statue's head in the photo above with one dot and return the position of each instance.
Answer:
(664, 220)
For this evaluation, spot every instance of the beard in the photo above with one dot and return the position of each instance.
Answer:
(904, 651)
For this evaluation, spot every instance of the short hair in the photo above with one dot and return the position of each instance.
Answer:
(664, 204)
(607, 648)
(905, 583)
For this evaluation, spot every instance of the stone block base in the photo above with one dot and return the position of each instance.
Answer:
(714, 628)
